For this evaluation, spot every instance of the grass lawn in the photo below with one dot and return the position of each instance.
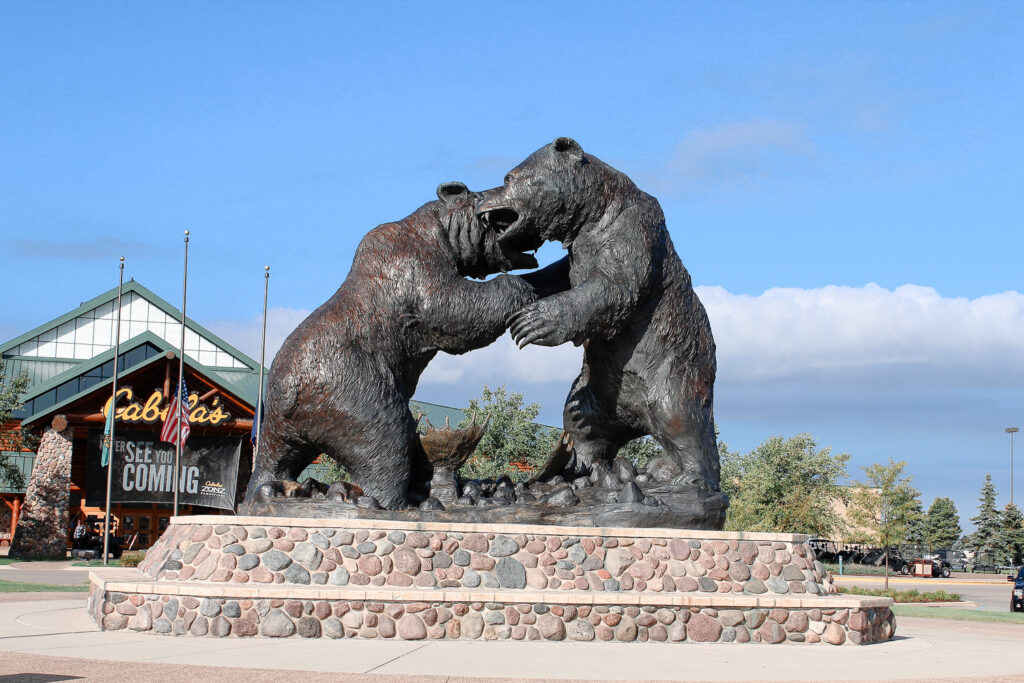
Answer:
(902, 596)
(19, 587)
(7, 560)
(957, 614)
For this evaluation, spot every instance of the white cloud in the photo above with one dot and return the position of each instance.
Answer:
(503, 362)
(733, 151)
(868, 333)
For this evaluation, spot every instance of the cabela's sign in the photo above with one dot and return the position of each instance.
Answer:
(154, 410)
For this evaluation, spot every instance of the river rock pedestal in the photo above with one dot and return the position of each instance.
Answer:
(211, 576)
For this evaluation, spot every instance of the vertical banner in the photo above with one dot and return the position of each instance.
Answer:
(142, 469)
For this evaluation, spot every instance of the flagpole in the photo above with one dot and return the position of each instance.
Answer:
(181, 380)
(113, 421)
(263, 350)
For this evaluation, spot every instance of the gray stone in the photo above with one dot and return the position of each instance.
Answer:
(488, 580)
(191, 552)
(470, 579)
(296, 574)
(247, 562)
(707, 585)
(617, 560)
(442, 560)
(461, 557)
(366, 548)
(384, 547)
(309, 627)
(777, 584)
(320, 541)
(755, 618)
(141, 620)
(728, 635)
(257, 532)
(171, 609)
(411, 627)
(277, 625)
(320, 578)
(551, 627)
(339, 577)
(510, 573)
(503, 546)
(209, 608)
(472, 625)
(397, 537)
(308, 555)
(580, 629)
(577, 554)
(220, 627)
(162, 625)
(234, 549)
(791, 573)
(494, 618)
(626, 630)
(333, 628)
(612, 585)
(231, 609)
(754, 586)
(200, 627)
(349, 552)
(565, 564)
(731, 617)
(275, 560)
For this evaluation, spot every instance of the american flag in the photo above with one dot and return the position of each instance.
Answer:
(177, 413)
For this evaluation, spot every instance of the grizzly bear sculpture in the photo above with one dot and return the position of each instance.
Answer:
(342, 381)
(623, 293)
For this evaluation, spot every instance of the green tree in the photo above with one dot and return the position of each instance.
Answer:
(640, 451)
(514, 444)
(784, 485)
(886, 505)
(1013, 533)
(915, 528)
(987, 541)
(11, 391)
(942, 524)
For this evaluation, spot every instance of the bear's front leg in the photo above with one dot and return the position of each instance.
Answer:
(548, 322)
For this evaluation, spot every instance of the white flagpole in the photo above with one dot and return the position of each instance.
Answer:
(113, 421)
(263, 350)
(181, 381)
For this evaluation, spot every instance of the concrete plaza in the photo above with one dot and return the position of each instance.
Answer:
(53, 639)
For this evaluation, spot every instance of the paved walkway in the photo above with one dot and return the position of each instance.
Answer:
(38, 637)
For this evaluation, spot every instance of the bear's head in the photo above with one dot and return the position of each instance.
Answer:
(476, 248)
(548, 197)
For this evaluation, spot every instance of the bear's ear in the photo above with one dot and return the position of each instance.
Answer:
(568, 146)
(449, 191)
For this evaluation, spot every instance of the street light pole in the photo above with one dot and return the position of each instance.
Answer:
(1011, 431)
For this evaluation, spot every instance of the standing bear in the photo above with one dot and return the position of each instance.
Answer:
(623, 293)
(342, 381)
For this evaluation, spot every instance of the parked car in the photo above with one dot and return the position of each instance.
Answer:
(954, 560)
(1017, 596)
(939, 568)
(876, 557)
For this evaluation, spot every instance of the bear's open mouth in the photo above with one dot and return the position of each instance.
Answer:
(515, 243)
(499, 220)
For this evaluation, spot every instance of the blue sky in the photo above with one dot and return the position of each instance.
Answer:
(843, 181)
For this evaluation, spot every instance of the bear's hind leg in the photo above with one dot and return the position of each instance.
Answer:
(682, 422)
(378, 457)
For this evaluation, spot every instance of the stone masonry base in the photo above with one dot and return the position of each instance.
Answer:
(163, 597)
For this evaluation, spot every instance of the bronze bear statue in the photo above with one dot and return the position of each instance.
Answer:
(342, 380)
(624, 295)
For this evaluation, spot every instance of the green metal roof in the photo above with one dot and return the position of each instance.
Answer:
(436, 414)
(24, 463)
(38, 370)
(110, 295)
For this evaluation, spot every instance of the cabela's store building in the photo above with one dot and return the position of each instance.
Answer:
(69, 362)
